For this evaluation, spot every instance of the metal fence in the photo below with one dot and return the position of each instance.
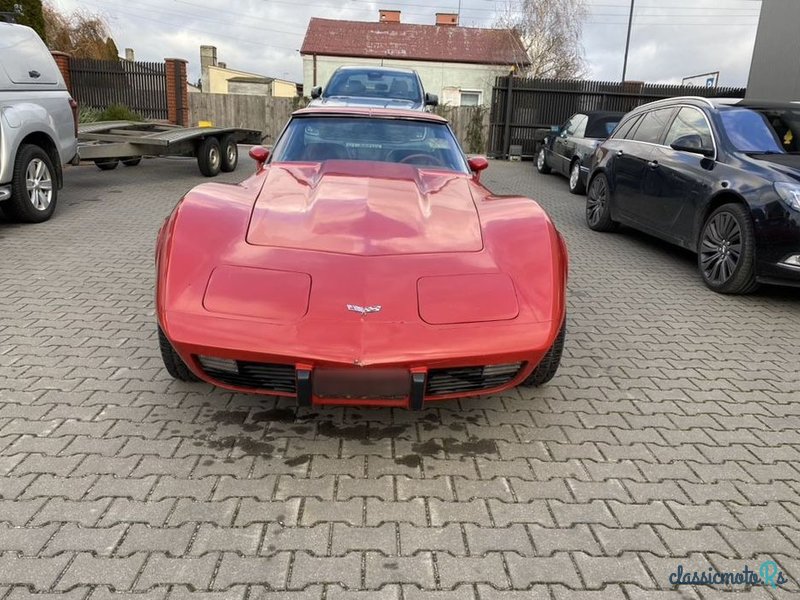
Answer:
(521, 106)
(141, 86)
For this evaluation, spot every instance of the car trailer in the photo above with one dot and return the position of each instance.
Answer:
(108, 143)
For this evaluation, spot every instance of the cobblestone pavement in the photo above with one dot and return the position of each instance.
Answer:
(670, 436)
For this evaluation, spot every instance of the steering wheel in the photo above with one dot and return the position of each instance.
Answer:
(426, 160)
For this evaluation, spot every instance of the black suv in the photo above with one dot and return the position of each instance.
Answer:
(719, 177)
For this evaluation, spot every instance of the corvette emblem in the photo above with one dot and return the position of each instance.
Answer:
(363, 310)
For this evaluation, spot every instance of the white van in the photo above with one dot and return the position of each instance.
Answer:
(38, 126)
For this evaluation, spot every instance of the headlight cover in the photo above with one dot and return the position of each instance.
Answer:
(789, 193)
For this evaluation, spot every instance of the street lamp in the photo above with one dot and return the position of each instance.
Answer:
(627, 43)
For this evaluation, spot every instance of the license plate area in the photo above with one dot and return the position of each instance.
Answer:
(361, 384)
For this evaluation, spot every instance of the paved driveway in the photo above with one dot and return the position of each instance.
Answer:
(670, 436)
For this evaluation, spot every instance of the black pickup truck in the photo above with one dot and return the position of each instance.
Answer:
(568, 149)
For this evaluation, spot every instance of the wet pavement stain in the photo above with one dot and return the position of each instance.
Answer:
(230, 417)
(297, 460)
(472, 447)
(275, 415)
(409, 460)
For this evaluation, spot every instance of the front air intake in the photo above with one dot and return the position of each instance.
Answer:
(469, 379)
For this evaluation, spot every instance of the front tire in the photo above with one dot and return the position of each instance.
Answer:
(172, 361)
(547, 367)
(576, 186)
(726, 253)
(132, 161)
(34, 189)
(209, 157)
(541, 162)
(598, 211)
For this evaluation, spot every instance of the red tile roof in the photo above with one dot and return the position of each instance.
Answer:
(365, 39)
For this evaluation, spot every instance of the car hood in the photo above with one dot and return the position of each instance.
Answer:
(365, 208)
(343, 101)
(786, 164)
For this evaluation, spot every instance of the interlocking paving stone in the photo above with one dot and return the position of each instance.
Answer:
(670, 435)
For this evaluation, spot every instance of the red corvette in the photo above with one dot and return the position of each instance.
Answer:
(363, 263)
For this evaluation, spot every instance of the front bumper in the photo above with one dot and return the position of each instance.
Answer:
(434, 363)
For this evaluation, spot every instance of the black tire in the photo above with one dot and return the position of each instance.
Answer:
(209, 157)
(132, 161)
(230, 154)
(598, 211)
(107, 164)
(541, 162)
(547, 367)
(726, 251)
(38, 204)
(172, 361)
(576, 185)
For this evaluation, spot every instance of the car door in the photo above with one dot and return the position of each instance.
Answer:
(675, 180)
(569, 143)
(631, 162)
(563, 143)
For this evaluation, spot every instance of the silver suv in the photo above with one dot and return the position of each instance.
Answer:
(38, 126)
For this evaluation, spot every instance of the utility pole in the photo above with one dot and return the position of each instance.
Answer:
(627, 43)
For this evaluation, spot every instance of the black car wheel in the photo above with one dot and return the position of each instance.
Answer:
(172, 360)
(726, 253)
(131, 161)
(598, 212)
(541, 162)
(576, 186)
(547, 367)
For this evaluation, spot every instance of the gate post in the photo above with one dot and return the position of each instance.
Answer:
(62, 61)
(177, 91)
(507, 125)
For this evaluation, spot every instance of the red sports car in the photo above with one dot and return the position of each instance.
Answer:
(363, 263)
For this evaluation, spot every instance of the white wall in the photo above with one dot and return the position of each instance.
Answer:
(441, 78)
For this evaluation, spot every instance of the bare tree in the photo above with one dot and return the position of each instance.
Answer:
(80, 34)
(550, 31)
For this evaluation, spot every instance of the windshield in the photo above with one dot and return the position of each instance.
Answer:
(365, 83)
(749, 131)
(407, 141)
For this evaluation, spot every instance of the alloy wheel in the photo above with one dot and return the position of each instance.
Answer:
(574, 176)
(720, 248)
(39, 184)
(596, 201)
(540, 160)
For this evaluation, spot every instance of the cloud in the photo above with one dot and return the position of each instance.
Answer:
(671, 39)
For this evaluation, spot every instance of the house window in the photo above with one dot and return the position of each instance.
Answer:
(470, 97)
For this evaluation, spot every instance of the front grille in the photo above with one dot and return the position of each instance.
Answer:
(262, 376)
(469, 379)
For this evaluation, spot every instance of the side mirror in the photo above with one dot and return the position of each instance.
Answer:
(260, 155)
(477, 164)
(316, 92)
(431, 99)
(554, 128)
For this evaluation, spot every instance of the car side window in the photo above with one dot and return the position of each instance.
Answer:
(624, 130)
(567, 127)
(689, 128)
(652, 126)
(580, 126)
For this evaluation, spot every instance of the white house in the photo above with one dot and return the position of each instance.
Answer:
(459, 64)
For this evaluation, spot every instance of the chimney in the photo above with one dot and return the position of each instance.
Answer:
(447, 19)
(129, 55)
(389, 16)
(208, 58)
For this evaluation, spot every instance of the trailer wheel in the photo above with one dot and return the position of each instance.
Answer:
(131, 161)
(230, 154)
(209, 157)
(107, 164)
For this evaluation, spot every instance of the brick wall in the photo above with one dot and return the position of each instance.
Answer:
(62, 60)
(177, 92)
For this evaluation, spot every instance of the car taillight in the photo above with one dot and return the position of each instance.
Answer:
(74, 106)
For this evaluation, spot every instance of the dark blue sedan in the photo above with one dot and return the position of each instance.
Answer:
(718, 177)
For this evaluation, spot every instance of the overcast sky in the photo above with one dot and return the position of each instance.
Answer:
(671, 39)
